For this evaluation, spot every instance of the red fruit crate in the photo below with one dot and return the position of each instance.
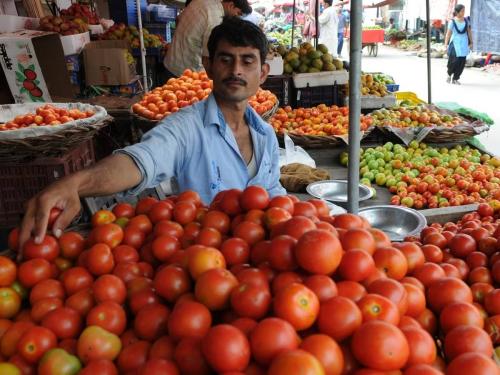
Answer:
(20, 181)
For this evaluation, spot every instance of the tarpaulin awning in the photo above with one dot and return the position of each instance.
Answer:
(377, 4)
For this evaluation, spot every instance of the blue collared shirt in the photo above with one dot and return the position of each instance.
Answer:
(198, 148)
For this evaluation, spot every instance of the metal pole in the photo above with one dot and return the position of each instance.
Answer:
(354, 105)
(143, 49)
(293, 22)
(316, 22)
(428, 37)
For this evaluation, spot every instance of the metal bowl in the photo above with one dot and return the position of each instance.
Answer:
(336, 191)
(397, 222)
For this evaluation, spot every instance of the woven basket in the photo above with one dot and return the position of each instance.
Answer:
(59, 140)
(318, 141)
(456, 134)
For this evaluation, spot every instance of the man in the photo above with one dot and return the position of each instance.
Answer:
(195, 23)
(216, 144)
(341, 30)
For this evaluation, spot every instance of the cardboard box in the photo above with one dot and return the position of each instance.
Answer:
(132, 88)
(73, 44)
(106, 63)
(11, 24)
(34, 66)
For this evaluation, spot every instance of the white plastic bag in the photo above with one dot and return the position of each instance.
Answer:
(294, 154)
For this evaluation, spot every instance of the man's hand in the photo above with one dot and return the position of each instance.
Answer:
(62, 194)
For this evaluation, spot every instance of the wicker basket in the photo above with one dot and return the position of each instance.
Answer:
(456, 134)
(23, 145)
(318, 141)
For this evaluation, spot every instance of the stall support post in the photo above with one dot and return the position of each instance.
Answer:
(428, 37)
(354, 105)
(143, 49)
(293, 23)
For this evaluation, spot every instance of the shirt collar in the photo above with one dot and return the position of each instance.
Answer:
(214, 116)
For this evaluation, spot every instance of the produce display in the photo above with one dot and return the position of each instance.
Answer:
(81, 11)
(63, 25)
(251, 285)
(373, 85)
(413, 116)
(307, 59)
(421, 176)
(383, 78)
(46, 115)
(121, 31)
(321, 120)
(190, 88)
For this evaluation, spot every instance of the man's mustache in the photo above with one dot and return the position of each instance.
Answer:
(236, 79)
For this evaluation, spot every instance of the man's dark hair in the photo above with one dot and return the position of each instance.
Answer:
(329, 2)
(242, 5)
(238, 33)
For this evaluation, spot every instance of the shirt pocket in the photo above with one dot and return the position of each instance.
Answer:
(264, 172)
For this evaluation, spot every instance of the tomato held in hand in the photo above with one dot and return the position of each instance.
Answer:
(48, 249)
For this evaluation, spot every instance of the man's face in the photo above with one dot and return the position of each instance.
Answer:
(231, 10)
(236, 72)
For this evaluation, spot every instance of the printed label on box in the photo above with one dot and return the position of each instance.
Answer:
(22, 70)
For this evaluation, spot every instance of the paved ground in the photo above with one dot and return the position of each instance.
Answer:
(479, 90)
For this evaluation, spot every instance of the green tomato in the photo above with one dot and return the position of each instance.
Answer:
(389, 146)
(373, 164)
(413, 144)
(365, 182)
(391, 181)
(369, 175)
(59, 362)
(364, 170)
(380, 179)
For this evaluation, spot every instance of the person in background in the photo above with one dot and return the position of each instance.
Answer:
(328, 27)
(188, 49)
(458, 42)
(341, 30)
(217, 144)
(255, 17)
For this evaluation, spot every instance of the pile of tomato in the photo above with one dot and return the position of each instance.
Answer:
(186, 90)
(251, 285)
(45, 115)
(320, 120)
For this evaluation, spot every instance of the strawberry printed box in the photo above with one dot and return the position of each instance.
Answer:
(34, 66)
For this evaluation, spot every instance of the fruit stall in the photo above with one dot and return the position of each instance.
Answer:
(162, 283)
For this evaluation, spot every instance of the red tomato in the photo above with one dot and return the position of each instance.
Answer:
(377, 307)
(133, 356)
(472, 363)
(297, 362)
(415, 298)
(99, 366)
(102, 217)
(13, 239)
(100, 259)
(33, 271)
(164, 247)
(71, 244)
(43, 307)
(159, 366)
(254, 197)
(235, 251)
(284, 279)
(492, 327)
(339, 318)
(356, 264)
(48, 249)
(479, 290)
(318, 251)
(392, 290)
(305, 209)
(297, 304)
(11, 337)
(151, 321)
(142, 223)
(351, 289)
(413, 253)
(96, 343)
(213, 288)
(142, 298)
(391, 261)
(323, 286)
(270, 337)
(465, 339)
(447, 290)
(189, 319)
(250, 232)
(108, 315)
(358, 239)
(492, 302)
(160, 211)
(163, 348)
(109, 288)
(81, 301)
(422, 346)
(217, 220)
(462, 245)
(35, 342)
(110, 234)
(64, 322)
(252, 276)
(134, 236)
(276, 215)
(184, 212)
(76, 279)
(171, 282)
(283, 202)
(124, 210)
(297, 226)
(226, 348)
(8, 271)
(326, 351)
(428, 273)
(10, 303)
(189, 358)
(281, 256)
(380, 345)
(459, 313)
(202, 259)
(125, 253)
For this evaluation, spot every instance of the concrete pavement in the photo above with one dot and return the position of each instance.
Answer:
(479, 90)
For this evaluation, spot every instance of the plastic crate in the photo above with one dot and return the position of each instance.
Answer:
(21, 181)
(392, 87)
(125, 11)
(307, 97)
(282, 87)
(161, 29)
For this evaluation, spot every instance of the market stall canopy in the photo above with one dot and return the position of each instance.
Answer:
(485, 23)
(377, 4)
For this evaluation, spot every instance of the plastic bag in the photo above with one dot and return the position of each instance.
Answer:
(294, 154)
